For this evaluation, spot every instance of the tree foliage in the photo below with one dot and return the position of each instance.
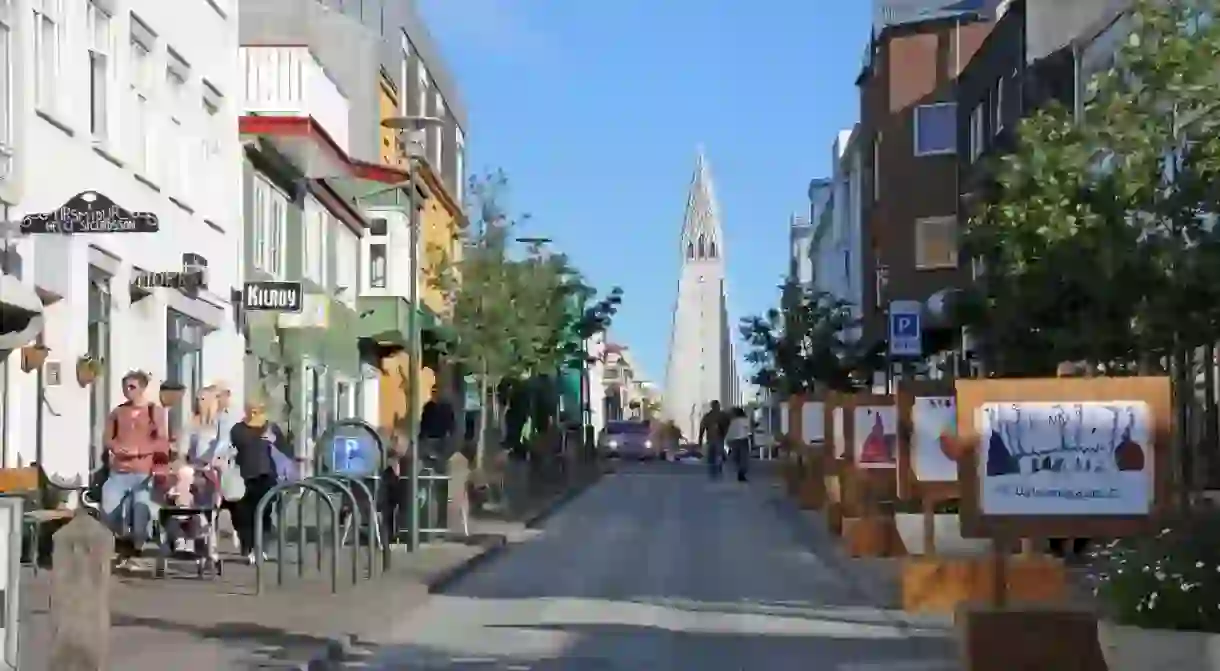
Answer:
(805, 344)
(514, 316)
(1095, 235)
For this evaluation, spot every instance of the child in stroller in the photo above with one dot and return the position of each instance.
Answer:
(188, 516)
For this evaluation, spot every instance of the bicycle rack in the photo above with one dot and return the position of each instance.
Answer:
(340, 482)
(278, 493)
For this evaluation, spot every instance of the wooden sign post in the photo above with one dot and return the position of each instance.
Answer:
(808, 415)
(927, 459)
(1055, 457)
(866, 453)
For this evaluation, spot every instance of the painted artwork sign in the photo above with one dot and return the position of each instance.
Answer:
(876, 436)
(1065, 458)
(933, 426)
(840, 433)
(813, 420)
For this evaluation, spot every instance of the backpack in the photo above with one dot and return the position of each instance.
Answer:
(152, 421)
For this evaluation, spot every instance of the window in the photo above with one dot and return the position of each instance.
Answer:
(436, 137)
(711, 249)
(936, 243)
(459, 169)
(98, 343)
(421, 90)
(877, 167)
(210, 144)
(177, 142)
(343, 401)
(377, 266)
(100, 62)
(347, 261)
(6, 85)
(269, 209)
(183, 362)
(702, 246)
(140, 129)
(690, 250)
(48, 17)
(935, 129)
(998, 122)
(977, 143)
(311, 389)
(314, 247)
(404, 77)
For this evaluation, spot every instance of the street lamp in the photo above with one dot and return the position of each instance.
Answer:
(411, 124)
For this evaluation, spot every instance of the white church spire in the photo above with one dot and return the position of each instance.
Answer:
(701, 221)
(701, 366)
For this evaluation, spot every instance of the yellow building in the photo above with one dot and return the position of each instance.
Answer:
(438, 176)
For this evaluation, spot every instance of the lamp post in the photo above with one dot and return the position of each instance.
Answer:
(404, 125)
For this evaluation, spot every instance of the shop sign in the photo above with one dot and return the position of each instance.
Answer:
(188, 280)
(272, 297)
(90, 212)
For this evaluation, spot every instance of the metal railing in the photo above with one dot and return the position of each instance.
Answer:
(279, 494)
(371, 535)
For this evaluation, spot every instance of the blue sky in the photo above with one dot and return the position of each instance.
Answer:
(595, 109)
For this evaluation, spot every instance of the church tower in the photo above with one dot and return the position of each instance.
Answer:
(701, 366)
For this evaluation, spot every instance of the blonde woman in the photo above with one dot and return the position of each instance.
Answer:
(200, 446)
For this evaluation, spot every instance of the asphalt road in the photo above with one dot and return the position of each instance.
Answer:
(657, 568)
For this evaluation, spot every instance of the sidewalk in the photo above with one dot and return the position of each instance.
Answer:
(185, 623)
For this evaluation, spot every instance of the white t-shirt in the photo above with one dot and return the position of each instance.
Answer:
(739, 429)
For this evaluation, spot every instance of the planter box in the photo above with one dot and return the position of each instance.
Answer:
(1136, 649)
(940, 584)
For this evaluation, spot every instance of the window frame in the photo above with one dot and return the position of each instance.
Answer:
(314, 238)
(179, 141)
(378, 276)
(346, 273)
(141, 90)
(998, 112)
(916, 125)
(8, 21)
(100, 54)
(978, 132)
(920, 250)
(98, 332)
(177, 350)
(46, 93)
(269, 236)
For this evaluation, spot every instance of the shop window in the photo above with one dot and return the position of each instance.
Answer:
(99, 347)
(183, 363)
(343, 400)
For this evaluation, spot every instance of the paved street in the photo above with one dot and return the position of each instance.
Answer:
(657, 568)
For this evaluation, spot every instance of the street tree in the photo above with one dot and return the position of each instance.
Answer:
(805, 343)
(1096, 236)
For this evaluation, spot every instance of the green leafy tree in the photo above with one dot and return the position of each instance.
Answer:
(804, 344)
(1095, 235)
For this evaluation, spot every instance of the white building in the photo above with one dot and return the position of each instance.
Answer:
(701, 367)
(595, 349)
(133, 100)
(800, 241)
(837, 251)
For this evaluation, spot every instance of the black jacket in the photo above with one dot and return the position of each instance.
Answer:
(254, 450)
(436, 420)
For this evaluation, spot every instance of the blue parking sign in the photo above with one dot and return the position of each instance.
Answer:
(905, 329)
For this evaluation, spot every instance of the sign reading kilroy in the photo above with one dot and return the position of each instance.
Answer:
(272, 297)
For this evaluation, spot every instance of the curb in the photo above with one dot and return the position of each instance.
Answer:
(492, 548)
(540, 518)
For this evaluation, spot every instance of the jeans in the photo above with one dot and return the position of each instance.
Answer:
(741, 456)
(128, 506)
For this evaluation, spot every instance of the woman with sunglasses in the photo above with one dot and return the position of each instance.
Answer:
(137, 437)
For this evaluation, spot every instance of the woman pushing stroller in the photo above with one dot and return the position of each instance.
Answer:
(204, 454)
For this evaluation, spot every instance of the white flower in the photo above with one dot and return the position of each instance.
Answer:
(1199, 564)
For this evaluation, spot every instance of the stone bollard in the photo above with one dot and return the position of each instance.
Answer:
(80, 595)
(458, 506)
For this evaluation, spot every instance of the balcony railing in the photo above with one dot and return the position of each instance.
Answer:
(289, 81)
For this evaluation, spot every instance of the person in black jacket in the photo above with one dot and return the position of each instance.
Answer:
(253, 438)
(436, 426)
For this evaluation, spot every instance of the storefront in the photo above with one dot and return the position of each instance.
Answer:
(21, 322)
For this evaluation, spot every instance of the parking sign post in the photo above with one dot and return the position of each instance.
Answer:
(905, 329)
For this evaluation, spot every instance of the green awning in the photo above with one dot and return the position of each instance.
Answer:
(386, 319)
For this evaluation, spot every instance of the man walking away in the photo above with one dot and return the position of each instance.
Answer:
(712, 430)
(738, 437)
(137, 432)
(436, 425)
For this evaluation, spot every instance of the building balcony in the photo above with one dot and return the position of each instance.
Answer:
(286, 86)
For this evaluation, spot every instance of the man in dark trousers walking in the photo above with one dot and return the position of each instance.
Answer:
(712, 429)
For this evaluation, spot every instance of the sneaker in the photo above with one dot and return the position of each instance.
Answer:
(250, 558)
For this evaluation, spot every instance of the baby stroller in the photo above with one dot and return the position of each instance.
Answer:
(188, 519)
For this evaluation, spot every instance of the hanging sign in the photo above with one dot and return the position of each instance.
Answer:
(272, 296)
(90, 212)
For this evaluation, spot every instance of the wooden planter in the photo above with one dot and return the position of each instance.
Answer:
(33, 356)
(171, 394)
(87, 369)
